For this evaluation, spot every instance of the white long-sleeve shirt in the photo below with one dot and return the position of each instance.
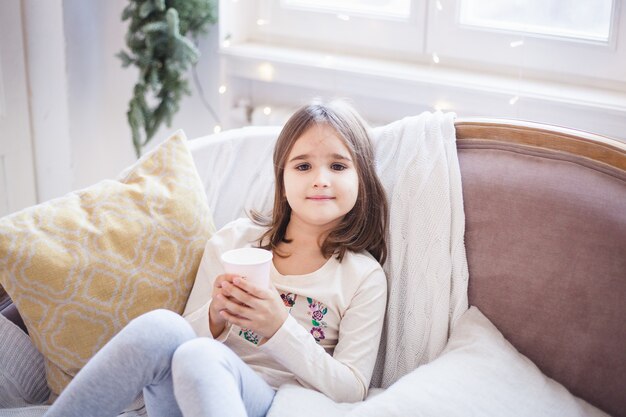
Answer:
(330, 339)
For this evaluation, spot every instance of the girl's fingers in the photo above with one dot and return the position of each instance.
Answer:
(237, 308)
(223, 278)
(249, 287)
(239, 294)
(236, 320)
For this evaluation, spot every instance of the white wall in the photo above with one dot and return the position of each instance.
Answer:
(49, 110)
(96, 90)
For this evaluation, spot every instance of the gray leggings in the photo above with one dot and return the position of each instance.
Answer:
(180, 375)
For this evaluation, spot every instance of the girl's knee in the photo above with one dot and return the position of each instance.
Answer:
(198, 353)
(160, 328)
(200, 347)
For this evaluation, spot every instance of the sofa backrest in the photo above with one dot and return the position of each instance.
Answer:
(545, 237)
(236, 167)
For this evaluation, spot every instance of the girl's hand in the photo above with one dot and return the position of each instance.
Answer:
(218, 303)
(252, 307)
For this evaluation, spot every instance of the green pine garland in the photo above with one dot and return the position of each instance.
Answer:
(160, 49)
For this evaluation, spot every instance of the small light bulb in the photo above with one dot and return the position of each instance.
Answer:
(513, 100)
(435, 58)
(226, 43)
(261, 22)
(267, 111)
(328, 60)
(343, 17)
(515, 44)
(439, 5)
(266, 71)
(442, 105)
(217, 129)
(222, 89)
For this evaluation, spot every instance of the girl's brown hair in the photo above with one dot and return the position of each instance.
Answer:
(362, 228)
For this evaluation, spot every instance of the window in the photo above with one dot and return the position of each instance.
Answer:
(382, 28)
(372, 8)
(550, 39)
(553, 61)
(558, 39)
(573, 19)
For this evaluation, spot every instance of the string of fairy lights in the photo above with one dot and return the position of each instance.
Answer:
(266, 70)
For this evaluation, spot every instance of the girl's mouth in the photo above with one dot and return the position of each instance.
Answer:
(320, 198)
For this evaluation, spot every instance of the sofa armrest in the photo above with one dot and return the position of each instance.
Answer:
(9, 311)
(22, 370)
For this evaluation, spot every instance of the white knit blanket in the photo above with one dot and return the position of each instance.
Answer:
(427, 268)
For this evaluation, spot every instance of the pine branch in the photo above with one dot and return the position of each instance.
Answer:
(159, 47)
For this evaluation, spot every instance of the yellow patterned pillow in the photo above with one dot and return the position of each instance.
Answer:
(81, 266)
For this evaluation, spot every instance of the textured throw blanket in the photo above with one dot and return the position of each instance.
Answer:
(427, 268)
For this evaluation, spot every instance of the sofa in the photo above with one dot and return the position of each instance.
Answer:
(545, 238)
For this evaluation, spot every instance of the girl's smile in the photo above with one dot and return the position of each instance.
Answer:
(320, 198)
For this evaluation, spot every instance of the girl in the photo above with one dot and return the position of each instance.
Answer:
(319, 323)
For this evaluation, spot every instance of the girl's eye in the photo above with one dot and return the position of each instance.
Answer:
(337, 167)
(303, 167)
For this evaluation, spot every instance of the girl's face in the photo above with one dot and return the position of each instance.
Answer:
(320, 178)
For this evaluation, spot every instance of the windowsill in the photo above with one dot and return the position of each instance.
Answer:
(273, 74)
(402, 72)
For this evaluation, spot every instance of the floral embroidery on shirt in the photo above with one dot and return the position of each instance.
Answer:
(249, 335)
(317, 311)
(318, 333)
(289, 299)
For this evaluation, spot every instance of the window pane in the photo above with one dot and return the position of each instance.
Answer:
(376, 8)
(580, 19)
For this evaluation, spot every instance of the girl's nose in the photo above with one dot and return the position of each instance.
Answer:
(321, 180)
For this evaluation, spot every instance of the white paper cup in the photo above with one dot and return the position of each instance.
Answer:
(250, 263)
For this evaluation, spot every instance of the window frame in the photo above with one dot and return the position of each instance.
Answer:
(435, 33)
(550, 55)
(292, 26)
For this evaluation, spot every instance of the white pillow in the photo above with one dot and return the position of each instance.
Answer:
(236, 166)
(479, 373)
